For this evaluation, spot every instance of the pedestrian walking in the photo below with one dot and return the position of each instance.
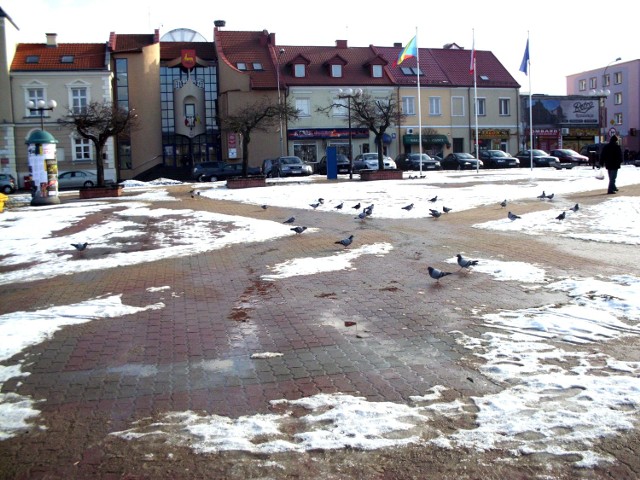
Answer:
(611, 158)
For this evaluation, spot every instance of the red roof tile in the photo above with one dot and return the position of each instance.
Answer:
(86, 56)
(120, 43)
(249, 48)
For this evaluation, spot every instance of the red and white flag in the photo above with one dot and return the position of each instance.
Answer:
(472, 64)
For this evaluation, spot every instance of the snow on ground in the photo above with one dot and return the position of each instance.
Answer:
(559, 397)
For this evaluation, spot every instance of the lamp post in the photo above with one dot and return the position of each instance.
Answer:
(280, 53)
(602, 93)
(41, 107)
(349, 94)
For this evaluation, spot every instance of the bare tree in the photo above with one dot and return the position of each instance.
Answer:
(98, 122)
(261, 116)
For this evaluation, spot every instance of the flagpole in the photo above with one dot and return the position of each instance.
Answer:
(475, 99)
(530, 109)
(419, 107)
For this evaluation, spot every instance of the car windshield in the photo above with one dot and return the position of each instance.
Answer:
(539, 153)
(465, 155)
(291, 160)
(497, 153)
(416, 156)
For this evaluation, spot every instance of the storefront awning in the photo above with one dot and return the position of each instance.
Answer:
(426, 140)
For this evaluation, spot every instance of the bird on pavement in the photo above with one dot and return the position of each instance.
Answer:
(321, 201)
(434, 199)
(542, 195)
(437, 274)
(368, 210)
(561, 216)
(345, 241)
(513, 216)
(264, 207)
(339, 207)
(550, 197)
(290, 220)
(446, 209)
(356, 206)
(80, 246)
(435, 213)
(299, 230)
(314, 205)
(575, 208)
(408, 207)
(503, 203)
(362, 215)
(466, 263)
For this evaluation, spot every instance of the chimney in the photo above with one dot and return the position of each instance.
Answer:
(398, 45)
(52, 39)
(341, 44)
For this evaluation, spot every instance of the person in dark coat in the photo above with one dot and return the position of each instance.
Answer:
(611, 158)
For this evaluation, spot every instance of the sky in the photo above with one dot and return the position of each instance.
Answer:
(559, 397)
(566, 37)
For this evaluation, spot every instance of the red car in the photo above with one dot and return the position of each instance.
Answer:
(568, 155)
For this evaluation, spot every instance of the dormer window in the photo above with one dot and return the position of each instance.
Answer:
(32, 59)
(299, 70)
(241, 66)
(376, 71)
(484, 77)
(66, 59)
(257, 66)
(336, 71)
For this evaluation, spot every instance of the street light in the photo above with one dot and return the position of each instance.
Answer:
(602, 93)
(349, 93)
(280, 53)
(41, 107)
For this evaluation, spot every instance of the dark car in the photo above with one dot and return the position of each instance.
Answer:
(214, 171)
(411, 161)
(204, 171)
(592, 151)
(568, 155)
(461, 161)
(540, 158)
(344, 166)
(498, 159)
(7, 183)
(285, 166)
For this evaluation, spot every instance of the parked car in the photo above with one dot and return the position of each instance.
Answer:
(7, 183)
(214, 171)
(411, 161)
(568, 155)
(461, 161)
(592, 151)
(540, 158)
(344, 165)
(285, 166)
(369, 161)
(77, 179)
(204, 171)
(498, 159)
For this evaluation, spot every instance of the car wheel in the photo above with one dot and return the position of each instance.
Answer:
(88, 183)
(7, 189)
(202, 178)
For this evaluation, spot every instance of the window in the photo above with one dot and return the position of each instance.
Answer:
(435, 106)
(122, 83)
(241, 66)
(617, 78)
(336, 71)
(593, 82)
(376, 71)
(340, 107)
(457, 106)
(303, 105)
(406, 70)
(32, 59)
(505, 107)
(606, 80)
(257, 66)
(79, 99)
(617, 98)
(408, 105)
(66, 59)
(82, 150)
(582, 85)
(299, 70)
(35, 95)
(481, 106)
(617, 118)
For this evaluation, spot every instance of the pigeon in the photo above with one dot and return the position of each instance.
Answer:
(550, 197)
(446, 209)
(561, 216)
(542, 195)
(264, 207)
(290, 220)
(362, 215)
(314, 205)
(299, 230)
(80, 246)
(575, 208)
(465, 263)
(408, 207)
(434, 199)
(339, 207)
(345, 241)
(503, 203)
(437, 274)
(368, 210)
(321, 201)
(513, 216)
(356, 207)
(435, 213)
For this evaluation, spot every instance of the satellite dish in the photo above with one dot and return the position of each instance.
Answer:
(182, 35)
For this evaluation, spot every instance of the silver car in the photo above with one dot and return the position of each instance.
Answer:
(77, 179)
(369, 161)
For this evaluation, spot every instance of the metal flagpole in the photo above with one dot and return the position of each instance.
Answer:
(530, 108)
(475, 101)
(419, 107)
